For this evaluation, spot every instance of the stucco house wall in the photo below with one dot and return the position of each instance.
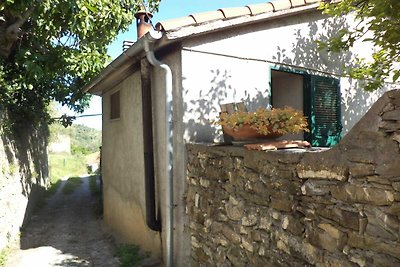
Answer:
(123, 168)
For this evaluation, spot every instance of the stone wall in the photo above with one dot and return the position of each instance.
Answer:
(336, 207)
(23, 175)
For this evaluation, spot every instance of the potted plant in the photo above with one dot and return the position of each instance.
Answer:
(263, 123)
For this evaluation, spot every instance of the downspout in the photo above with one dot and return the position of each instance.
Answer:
(149, 38)
(152, 220)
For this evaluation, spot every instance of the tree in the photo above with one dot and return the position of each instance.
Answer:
(49, 49)
(382, 19)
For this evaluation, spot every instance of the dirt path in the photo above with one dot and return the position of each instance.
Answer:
(66, 232)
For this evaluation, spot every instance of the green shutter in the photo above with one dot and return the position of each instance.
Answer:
(324, 111)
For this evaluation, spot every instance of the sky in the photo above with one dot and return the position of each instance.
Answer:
(168, 9)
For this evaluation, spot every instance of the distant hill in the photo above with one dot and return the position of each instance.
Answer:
(84, 140)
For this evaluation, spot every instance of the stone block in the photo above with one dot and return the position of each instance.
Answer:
(328, 174)
(396, 186)
(201, 255)
(392, 115)
(360, 155)
(344, 218)
(256, 236)
(287, 185)
(384, 260)
(393, 94)
(311, 253)
(236, 257)
(396, 137)
(282, 204)
(219, 240)
(389, 126)
(216, 227)
(328, 238)
(381, 224)
(357, 194)
(220, 217)
(379, 179)
(249, 220)
(231, 235)
(204, 182)
(282, 246)
(236, 179)
(336, 261)
(361, 169)
(293, 225)
(316, 187)
(265, 223)
(389, 168)
(394, 209)
(248, 245)
(374, 244)
(234, 213)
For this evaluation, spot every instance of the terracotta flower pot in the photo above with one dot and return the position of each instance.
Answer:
(246, 133)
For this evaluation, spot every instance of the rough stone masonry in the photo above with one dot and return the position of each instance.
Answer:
(336, 207)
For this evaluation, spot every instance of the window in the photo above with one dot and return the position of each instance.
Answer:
(317, 96)
(115, 105)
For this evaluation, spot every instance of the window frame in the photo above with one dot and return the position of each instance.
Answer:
(309, 103)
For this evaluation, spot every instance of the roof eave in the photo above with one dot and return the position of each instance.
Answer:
(120, 67)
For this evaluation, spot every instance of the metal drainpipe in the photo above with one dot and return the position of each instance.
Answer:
(150, 37)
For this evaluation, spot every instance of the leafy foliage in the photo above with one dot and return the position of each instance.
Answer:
(49, 49)
(265, 121)
(382, 19)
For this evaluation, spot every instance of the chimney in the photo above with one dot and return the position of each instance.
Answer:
(143, 23)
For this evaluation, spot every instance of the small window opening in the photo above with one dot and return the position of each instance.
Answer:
(115, 105)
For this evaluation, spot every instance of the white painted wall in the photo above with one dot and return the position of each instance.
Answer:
(234, 66)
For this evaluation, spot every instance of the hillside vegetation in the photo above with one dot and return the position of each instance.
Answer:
(85, 143)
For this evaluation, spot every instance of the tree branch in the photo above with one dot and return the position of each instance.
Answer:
(11, 33)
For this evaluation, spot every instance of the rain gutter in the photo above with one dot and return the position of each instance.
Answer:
(150, 38)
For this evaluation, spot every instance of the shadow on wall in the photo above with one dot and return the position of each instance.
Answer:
(205, 108)
(305, 53)
(26, 148)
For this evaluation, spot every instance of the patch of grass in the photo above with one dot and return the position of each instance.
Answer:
(93, 186)
(64, 165)
(3, 255)
(129, 255)
(53, 188)
(71, 184)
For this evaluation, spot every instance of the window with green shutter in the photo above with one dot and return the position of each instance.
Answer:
(322, 95)
(320, 102)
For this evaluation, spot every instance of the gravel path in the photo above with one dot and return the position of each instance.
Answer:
(66, 232)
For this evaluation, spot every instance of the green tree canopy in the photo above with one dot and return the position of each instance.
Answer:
(49, 49)
(382, 19)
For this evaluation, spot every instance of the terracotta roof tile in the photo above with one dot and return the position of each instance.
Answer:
(227, 13)
(232, 12)
(296, 3)
(207, 16)
(281, 5)
(261, 8)
(170, 24)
